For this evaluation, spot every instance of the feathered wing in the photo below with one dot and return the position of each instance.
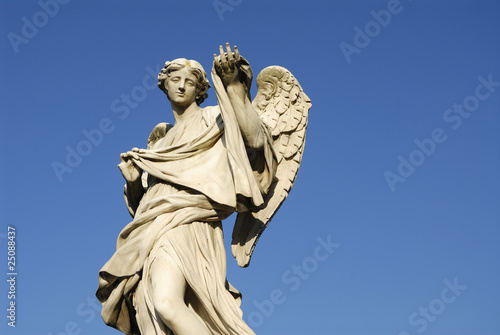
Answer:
(283, 107)
(159, 132)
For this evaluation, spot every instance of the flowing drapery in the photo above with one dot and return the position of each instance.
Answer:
(195, 184)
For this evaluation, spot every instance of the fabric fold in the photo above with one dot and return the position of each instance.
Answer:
(193, 185)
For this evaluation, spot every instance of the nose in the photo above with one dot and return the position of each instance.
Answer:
(182, 85)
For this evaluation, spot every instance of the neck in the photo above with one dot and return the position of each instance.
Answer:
(181, 113)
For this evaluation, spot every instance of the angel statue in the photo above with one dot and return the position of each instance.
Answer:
(168, 274)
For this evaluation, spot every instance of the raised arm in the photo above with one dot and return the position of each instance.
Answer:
(228, 69)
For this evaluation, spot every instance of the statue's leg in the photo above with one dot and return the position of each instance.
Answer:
(168, 289)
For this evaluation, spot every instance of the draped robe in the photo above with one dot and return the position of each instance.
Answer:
(198, 174)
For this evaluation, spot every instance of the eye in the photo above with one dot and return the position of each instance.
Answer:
(175, 79)
(190, 83)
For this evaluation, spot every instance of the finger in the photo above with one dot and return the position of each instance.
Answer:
(223, 59)
(229, 52)
(222, 53)
(217, 65)
(236, 54)
(230, 57)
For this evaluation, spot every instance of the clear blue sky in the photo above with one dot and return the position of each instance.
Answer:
(400, 174)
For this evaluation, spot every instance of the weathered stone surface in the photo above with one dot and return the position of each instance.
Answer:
(168, 274)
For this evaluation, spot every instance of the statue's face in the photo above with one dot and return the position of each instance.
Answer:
(181, 87)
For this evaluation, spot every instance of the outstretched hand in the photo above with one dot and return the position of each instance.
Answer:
(227, 64)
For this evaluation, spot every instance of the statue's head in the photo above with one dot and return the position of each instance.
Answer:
(202, 84)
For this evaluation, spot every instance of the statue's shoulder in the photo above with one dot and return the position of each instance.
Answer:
(210, 114)
(159, 132)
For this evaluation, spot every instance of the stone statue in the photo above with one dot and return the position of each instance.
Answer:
(168, 274)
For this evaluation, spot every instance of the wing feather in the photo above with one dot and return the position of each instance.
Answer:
(159, 131)
(295, 142)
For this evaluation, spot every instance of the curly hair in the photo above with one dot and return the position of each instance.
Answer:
(202, 85)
